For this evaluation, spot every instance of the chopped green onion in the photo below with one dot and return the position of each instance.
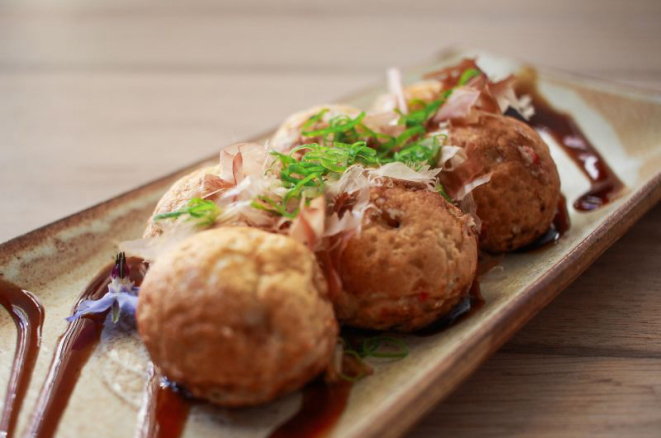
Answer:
(314, 119)
(308, 173)
(338, 125)
(342, 142)
(468, 74)
(372, 347)
(276, 208)
(377, 346)
(362, 364)
(423, 152)
(203, 210)
(442, 192)
(421, 116)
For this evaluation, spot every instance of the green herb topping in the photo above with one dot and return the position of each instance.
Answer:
(340, 129)
(424, 112)
(384, 346)
(305, 174)
(343, 141)
(440, 190)
(376, 346)
(468, 74)
(202, 211)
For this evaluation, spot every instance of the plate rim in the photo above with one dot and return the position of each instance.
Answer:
(437, 382)
(443, 53)
(487, 338)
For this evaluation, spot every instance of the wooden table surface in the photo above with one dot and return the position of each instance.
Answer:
(97, 97)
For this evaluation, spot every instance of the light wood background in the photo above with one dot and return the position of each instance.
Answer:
(99, 96)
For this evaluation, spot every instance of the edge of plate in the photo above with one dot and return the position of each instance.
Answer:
(442, 379)
(38, 234)
(394, 419)
(585, 79)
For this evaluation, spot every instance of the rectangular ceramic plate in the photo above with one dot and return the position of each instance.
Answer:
(57, 261)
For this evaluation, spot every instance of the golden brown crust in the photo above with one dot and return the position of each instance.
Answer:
(518, 204)
(237, 315)
(413, 261)
(183, 190)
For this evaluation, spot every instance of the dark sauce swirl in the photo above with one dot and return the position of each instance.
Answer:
(28, 315)
(165, 408)
(322, 406)
(604, 183)
(468, 305)
(558, 228)
(71, 354)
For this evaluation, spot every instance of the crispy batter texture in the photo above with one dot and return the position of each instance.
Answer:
(518, 204)
(183, 190)
(415, 258)
(237, 315)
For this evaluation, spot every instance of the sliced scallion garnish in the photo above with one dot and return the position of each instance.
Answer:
(204, 211)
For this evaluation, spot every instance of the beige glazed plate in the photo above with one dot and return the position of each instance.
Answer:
(57, 262)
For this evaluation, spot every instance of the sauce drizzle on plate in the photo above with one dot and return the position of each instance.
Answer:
(71, 354)
(468, 305)
(322, 406)
(604, 183)
(558, 228)
(28, 315)
(165, 408)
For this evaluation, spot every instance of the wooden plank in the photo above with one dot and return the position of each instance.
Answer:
(589, 364)
(97, 134)
(98, 97)
(467, 8)
(526, 395)
(72, 140)
(588, 318)
(336, 39)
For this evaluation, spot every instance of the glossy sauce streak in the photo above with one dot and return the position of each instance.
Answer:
(323, 404)
(466, 307)
(28, 315)
(558, 228)
(165, 409)
(605, 185)
(72, 352)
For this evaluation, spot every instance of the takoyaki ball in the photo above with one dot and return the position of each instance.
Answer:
(288, 135)
(413, 261)
(237, 315)
(198, 184)
(519, 202)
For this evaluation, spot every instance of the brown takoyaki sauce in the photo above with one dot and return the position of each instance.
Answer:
(322, 406)
(71, 354)
(557, 229)
(28, 315)
(166, 408)
(605, 185)
(470, 304)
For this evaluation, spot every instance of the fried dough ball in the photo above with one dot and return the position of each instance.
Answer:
(414, 260)
(289, 135)
(197, 184)
(237, 315)
(518, 204)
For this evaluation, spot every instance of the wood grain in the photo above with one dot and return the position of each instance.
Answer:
(588, 365)
(98, 97)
